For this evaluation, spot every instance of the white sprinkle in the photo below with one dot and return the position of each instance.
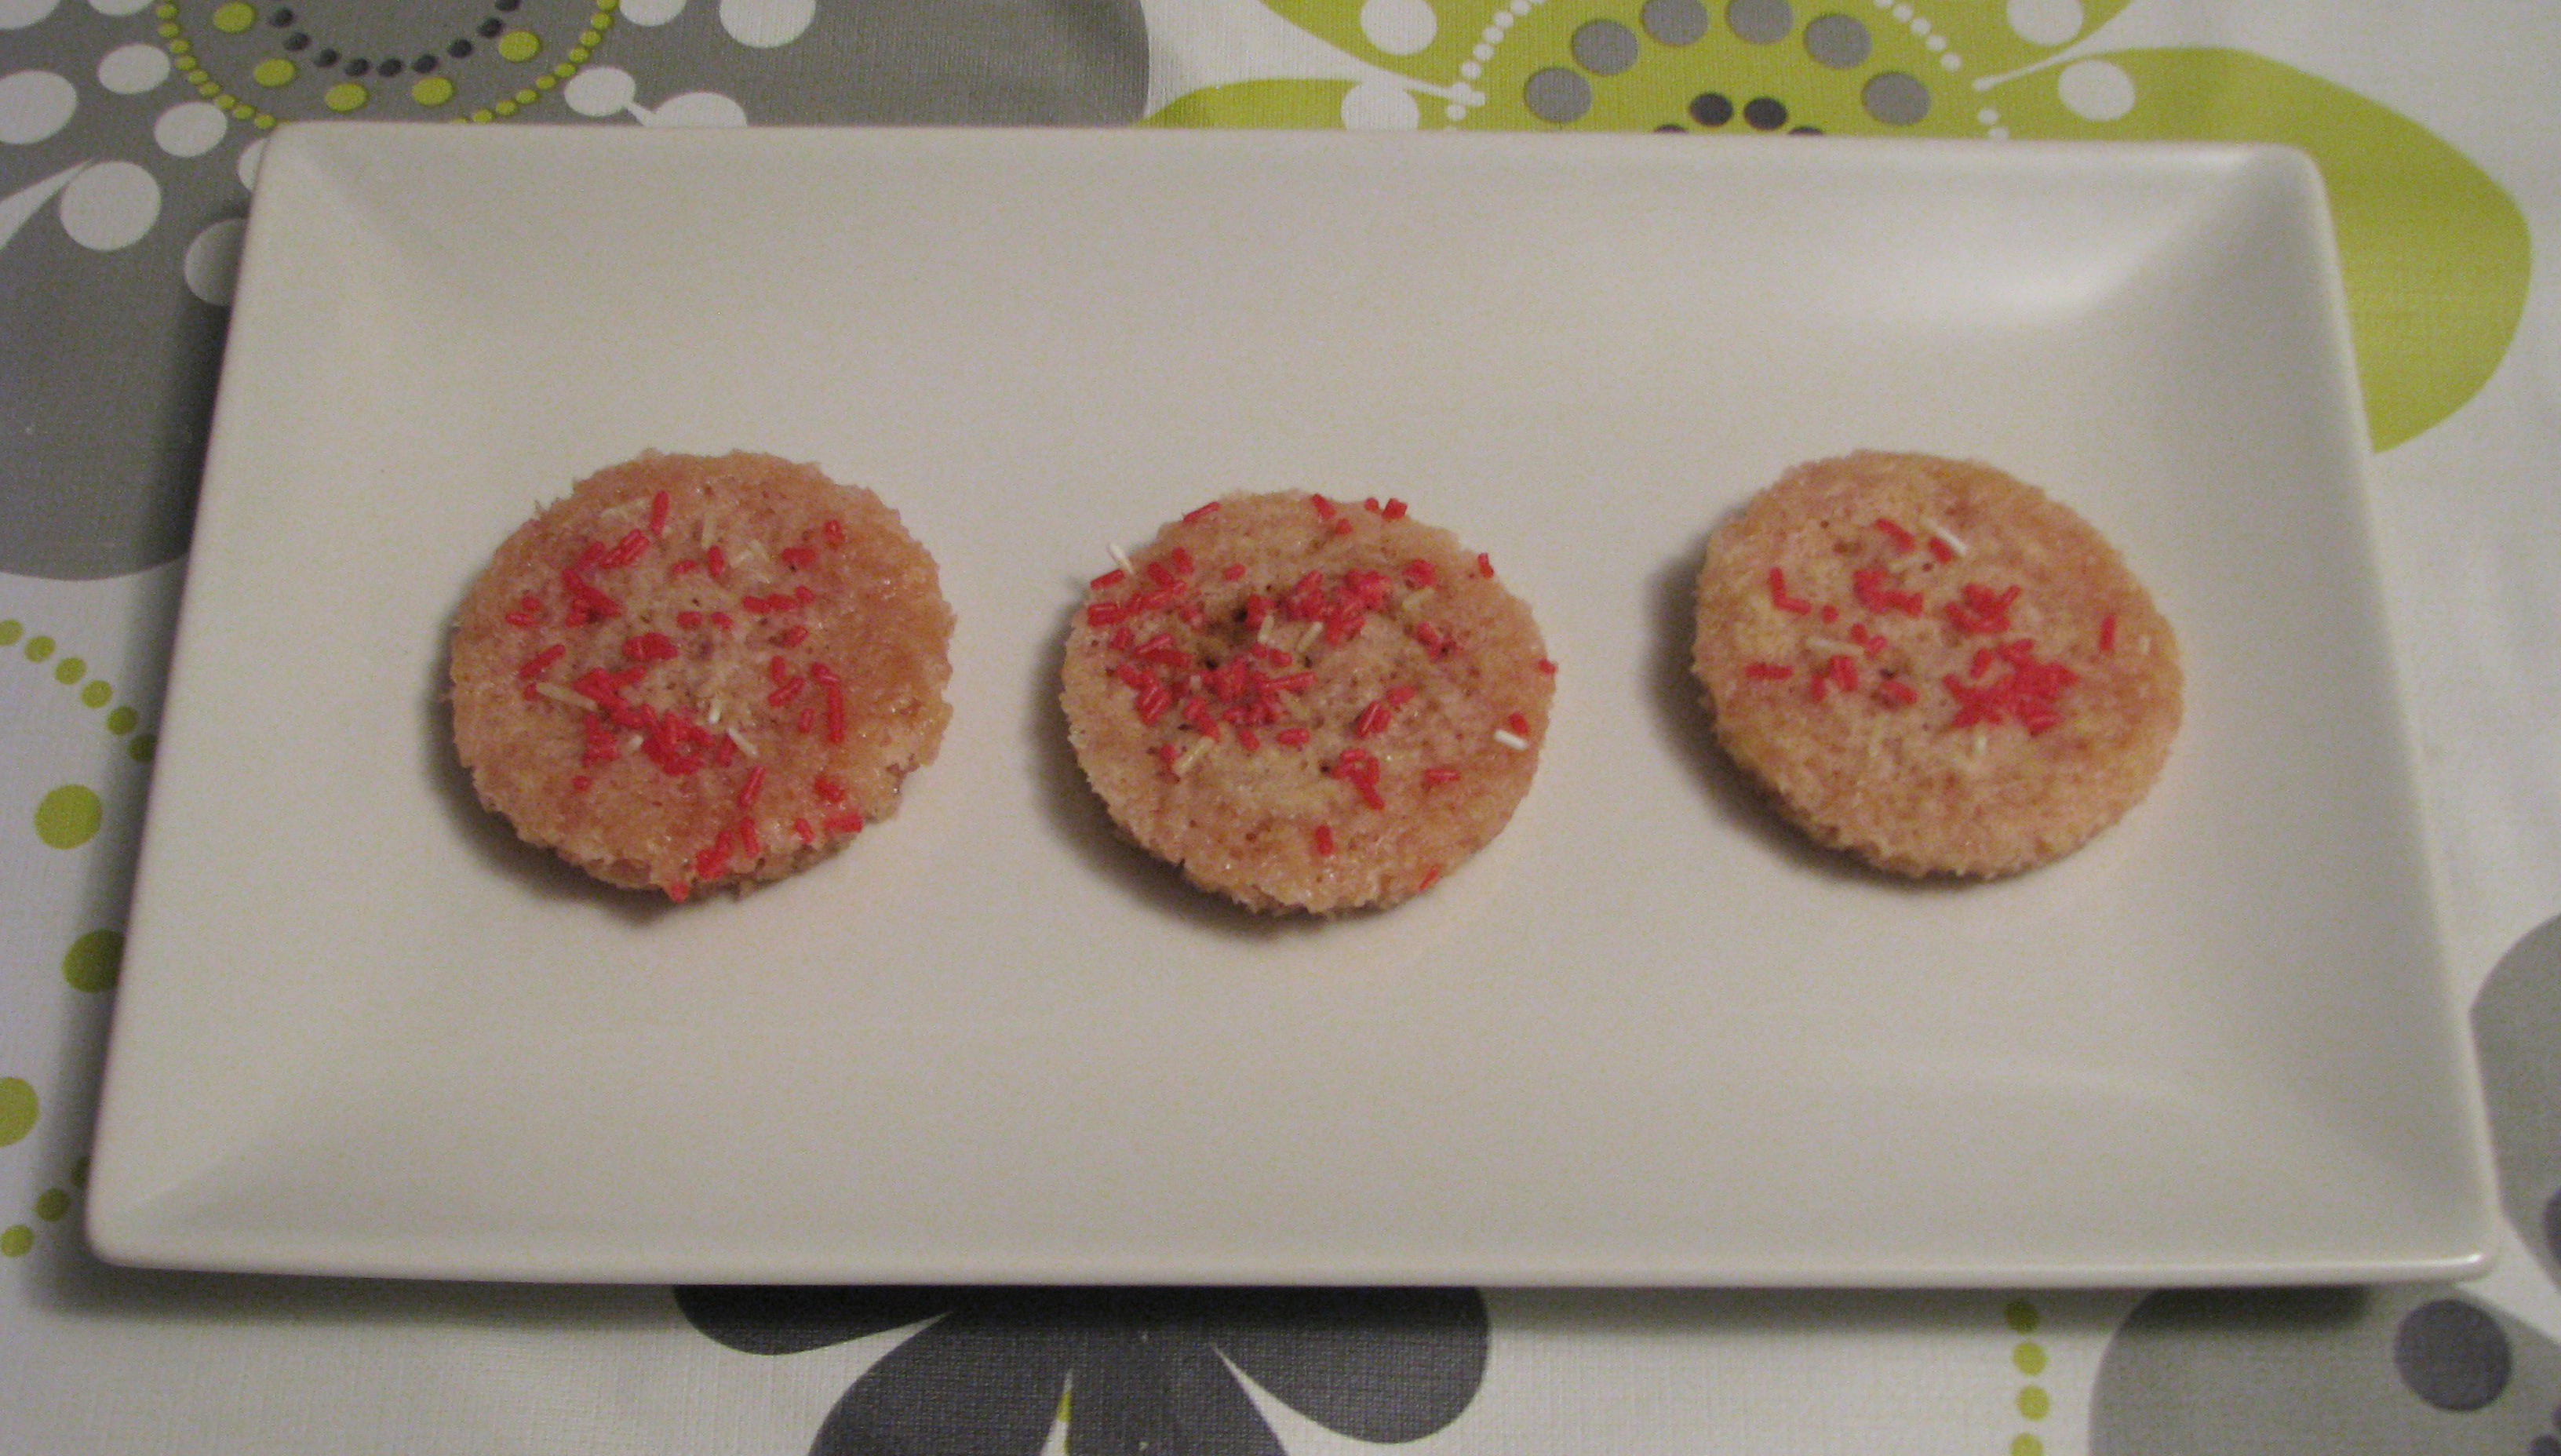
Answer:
(1191, 756)
(718, 708)
(1955, 542)
(1121, 557)
(1832, 648)
(740, 738)
(559, 693)
(1510, 740)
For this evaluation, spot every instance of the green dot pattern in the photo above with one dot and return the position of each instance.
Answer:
(121, 720)
(17, 1109)
(2027, 1445)
(2020, 1316)
(53, 1203)
(39, 648)
(94, 960)
(70, 669)
(11, 630)
(2029, 1357)
(95, 695)
(2034, 1403)
(70, 816)
(16, 1239)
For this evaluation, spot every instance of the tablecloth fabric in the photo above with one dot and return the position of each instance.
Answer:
(128, 135)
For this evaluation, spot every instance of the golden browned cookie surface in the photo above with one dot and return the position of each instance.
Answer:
(1933, 665)
(1307, 704)
(700, 671)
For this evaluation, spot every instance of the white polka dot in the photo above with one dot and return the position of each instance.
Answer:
(1937, 43)
(1486, 52)
(2096, 90)
(20, 14)
(1919, 26)
(191, 128)
(1951, 60)
(33, 104)
(600, 91)
(1987, 116)
(1520, 7)
(1502, 22)
(1471, 70)
(1378, 105)
(117, 7)
(1903, 11)
(765, 24)
(1399, 27)
(1454, 112)
(1998, 133)
(699, 108)
(110, 206)
(130, 70)
(2045, 22)
(212, 264)
(250, 157)
(650, 12)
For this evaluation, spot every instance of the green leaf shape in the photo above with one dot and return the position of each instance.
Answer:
(2436, 255)
(1304, 104)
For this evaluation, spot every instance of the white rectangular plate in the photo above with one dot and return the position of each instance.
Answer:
(1646, 1037)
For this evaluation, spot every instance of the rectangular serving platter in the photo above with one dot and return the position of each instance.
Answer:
(1648, 1038)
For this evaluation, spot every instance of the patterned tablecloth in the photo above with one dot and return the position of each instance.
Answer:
(130, 132)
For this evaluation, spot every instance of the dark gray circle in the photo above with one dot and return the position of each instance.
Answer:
(1605, 47)
(1895, 97)
(1761, 21)
(1836, 41)
(1557, 94)
(2452, 1355)
(1674, 22)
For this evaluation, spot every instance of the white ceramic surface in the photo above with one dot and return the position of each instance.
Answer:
(1646, 1037)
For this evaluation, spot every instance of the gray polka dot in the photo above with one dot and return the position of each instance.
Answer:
(2452, 1355)
(1895, 99)
(1836, 41)
(1557, 94)
(1605, 47)
(1761, 21)
(1675, 22)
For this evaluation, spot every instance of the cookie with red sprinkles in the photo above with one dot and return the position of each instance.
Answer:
(696, 672)
(1933, 665)
(1307, 704)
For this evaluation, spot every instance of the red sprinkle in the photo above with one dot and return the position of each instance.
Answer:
(630, 549)
(1324, 507)
(658, 505)
(716, 561)
(1372, 721)
(1485, 564)
(650, 647)
(1112, 577)
(689, 619)
(1440, 773)
(1342, 528)
(1322, 838)
(800, 828)
(795, 634)
(1896, 692)
(1778, 596)
(828, 790)
(1166, 754)
(529, 610)
(1874, 587)
(755, 786)
(2108, 633)
(1902, 540)
(1233, 570)
(834, 531)
(678, 890)
(1200, 513)
(1940, 548)
(579, 783)
(1518, 722)
(1546, 666)
(1395, 509)
(532, 667)
(1292, 737)
(850, 822)
(799, 557)
(679, 568)
(1247, 739)
(1431, 877)
(1768, 672)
